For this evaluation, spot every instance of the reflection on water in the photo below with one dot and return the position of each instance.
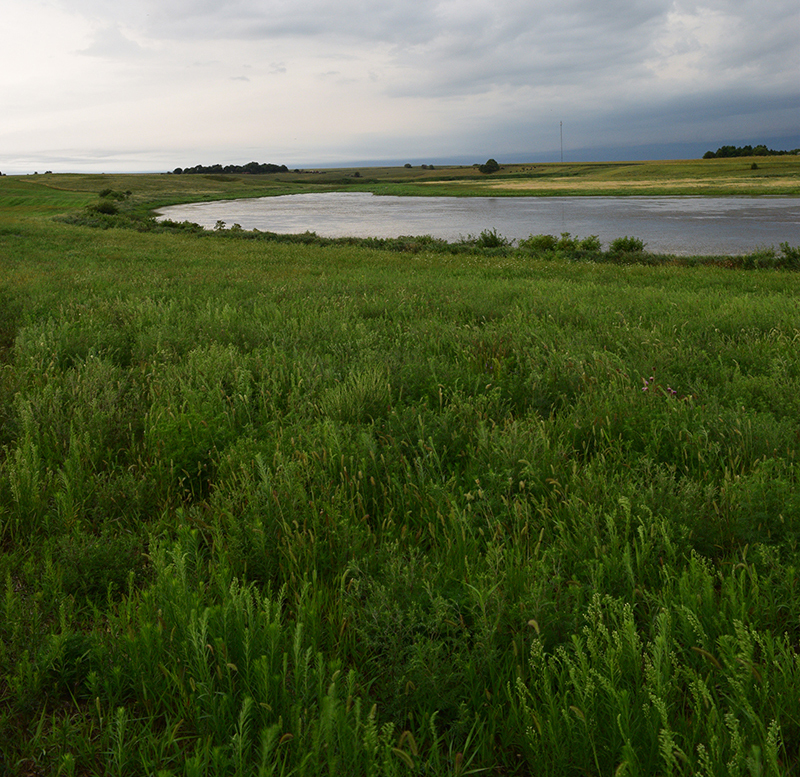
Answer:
(678, 225)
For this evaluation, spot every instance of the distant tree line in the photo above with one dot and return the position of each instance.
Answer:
(730, 151)
(253, 168)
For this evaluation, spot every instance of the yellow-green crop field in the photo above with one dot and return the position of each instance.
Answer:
(776, 175)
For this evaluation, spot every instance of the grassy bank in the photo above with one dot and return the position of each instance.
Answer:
(282, 508)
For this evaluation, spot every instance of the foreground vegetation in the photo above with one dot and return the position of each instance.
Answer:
(281, 508)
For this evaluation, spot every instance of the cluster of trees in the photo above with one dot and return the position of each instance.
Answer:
(254, 168)
(730, 151)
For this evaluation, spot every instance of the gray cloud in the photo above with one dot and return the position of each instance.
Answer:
(470, 44)
(418, 76)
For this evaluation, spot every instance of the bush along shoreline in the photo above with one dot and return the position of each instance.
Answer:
(108, 214)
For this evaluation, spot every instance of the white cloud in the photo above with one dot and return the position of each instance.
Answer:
(111, 43)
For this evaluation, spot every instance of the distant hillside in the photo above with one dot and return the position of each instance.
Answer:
(254, 168)
(728, 151)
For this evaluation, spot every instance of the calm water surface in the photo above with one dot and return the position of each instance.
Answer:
(678, 225)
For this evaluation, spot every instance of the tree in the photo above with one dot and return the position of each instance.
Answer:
(724, 152)
(490, 166)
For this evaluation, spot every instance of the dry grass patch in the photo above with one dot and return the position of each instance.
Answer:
(688, 183)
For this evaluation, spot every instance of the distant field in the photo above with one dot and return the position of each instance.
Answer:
(773, 175)
(718, 177)
(686, 185)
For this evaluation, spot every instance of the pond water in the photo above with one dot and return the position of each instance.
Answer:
(677, 225)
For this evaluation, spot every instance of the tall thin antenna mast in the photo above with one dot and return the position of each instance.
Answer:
(561, 132)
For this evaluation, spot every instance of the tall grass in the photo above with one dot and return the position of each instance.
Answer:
(284, 509)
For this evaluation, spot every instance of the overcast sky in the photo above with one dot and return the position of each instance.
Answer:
(142, 85)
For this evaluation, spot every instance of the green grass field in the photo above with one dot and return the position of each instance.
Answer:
(272, 507)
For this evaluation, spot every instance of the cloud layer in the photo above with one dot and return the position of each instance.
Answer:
(151, 85)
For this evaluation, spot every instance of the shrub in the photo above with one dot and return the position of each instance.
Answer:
(539, 243)
(791, 255)
(113, 195)
(762, 257)
(591, 244)
(626, 245)
(490, 238)
(566, 244)
(105, 206)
